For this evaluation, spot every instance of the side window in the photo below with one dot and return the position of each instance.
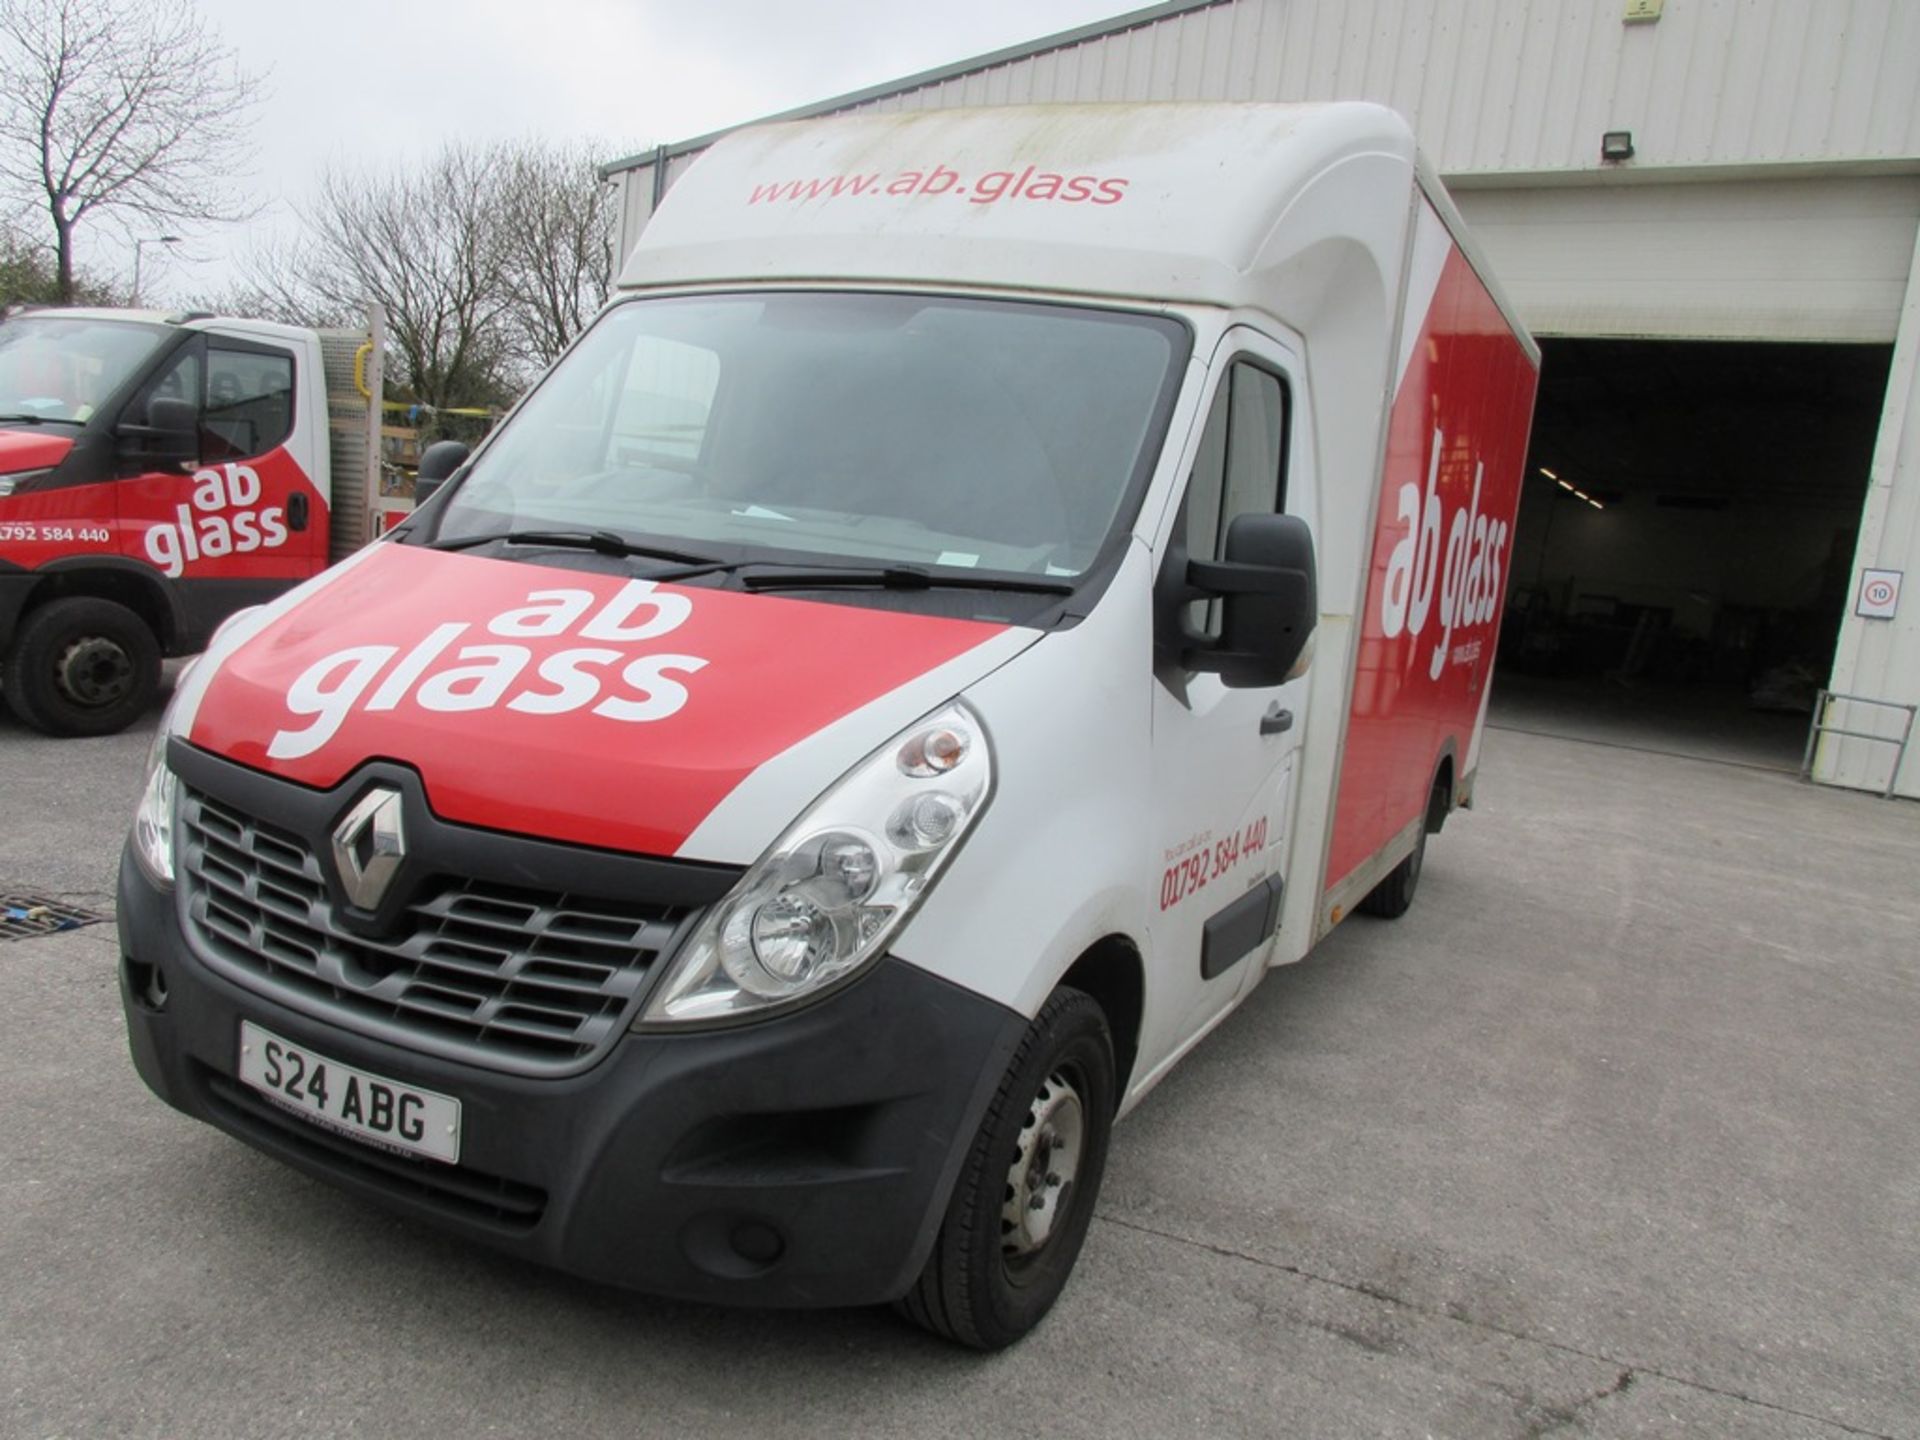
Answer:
(249, 403)
(1241, 469)
(179, 380)
(662, 409)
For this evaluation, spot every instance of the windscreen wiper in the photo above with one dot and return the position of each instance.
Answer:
(24, 419)
(786, 577)
(602, 542)
(891, 577)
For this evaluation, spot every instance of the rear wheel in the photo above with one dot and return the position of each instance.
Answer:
(82, 666)
(1393, 896)
(1025, 1195)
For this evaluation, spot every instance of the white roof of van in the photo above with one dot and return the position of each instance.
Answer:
(185, 319)
(1150, 201)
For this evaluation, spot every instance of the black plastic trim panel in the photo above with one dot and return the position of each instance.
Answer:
(1233, 931)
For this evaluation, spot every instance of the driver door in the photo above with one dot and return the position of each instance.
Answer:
(1225, 758)
(240, 507)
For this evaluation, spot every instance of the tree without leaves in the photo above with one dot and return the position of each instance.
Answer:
(124, 108)
(488, 261)
(274, 285)
(427, 245)
(558, 240)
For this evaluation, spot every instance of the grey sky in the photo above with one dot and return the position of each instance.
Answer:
(367, 83)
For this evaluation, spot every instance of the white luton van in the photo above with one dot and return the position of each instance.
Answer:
(990, 585)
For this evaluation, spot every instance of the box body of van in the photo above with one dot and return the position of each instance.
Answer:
(989, 586)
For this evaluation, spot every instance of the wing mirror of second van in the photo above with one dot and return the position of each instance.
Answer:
(437, 464)
(1269, 601)
(171, 432)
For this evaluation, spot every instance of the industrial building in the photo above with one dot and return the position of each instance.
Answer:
(1709, 213)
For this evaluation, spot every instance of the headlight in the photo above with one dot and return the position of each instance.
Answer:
(20, 480)
(153, 821)
(825, 899)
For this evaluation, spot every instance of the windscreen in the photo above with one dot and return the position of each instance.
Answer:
(54, 369)
(940, 432)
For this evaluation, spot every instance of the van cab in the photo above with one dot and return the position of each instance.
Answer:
(989, 586)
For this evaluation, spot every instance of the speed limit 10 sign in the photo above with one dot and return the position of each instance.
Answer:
(1879, 594)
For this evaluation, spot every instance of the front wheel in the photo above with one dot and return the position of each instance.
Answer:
(1025, 1196)
(82, 666)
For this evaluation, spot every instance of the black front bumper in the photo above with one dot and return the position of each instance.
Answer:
(803, 1160)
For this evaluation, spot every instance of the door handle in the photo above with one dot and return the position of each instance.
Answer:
(1277, 721)
(297, 511)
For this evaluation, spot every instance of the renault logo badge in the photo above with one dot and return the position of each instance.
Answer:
(368, 846)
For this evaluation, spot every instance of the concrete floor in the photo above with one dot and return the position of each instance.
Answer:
(1705, 722)
(1617, 1133)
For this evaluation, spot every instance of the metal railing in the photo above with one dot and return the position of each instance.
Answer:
(1820, 727)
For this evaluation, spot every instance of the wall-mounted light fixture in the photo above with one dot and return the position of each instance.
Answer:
(1616, 145)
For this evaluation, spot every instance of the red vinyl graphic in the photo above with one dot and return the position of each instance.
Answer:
(228, 520)
(575, 706)
(232, 520)
(1456, 447)
(31, 450)
(34, 526)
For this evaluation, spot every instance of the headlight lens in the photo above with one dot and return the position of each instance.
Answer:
(20, 480)
(825, 899)
(153, 821)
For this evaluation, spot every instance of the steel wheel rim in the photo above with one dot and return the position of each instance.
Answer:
(1046, 1162)
(94, 671)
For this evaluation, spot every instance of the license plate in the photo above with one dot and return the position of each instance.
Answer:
(347, 1101)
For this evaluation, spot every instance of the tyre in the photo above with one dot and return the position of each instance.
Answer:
(81, 666)
(1026, 1192)
(1393, 896)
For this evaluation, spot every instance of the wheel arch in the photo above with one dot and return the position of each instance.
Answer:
(124, 582)
(1440, 793)
(1113, 973)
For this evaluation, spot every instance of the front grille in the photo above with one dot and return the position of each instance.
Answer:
(473, 970)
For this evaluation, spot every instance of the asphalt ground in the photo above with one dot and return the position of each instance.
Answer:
(1616, 1133)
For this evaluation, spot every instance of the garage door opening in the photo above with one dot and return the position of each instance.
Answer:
(1685, 541)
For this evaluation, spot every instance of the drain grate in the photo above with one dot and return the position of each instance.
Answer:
(24, 916)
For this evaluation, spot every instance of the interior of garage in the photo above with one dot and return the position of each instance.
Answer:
(1685, 539)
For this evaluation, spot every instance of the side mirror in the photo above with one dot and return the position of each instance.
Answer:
(172, 431)
(1270, 601)
(438, 462)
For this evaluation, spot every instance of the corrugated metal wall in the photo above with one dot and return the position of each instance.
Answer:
(1876, 658)
(1502, 85)
(1505, 86)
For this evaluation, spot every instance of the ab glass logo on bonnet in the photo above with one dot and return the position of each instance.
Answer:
(533, 679)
